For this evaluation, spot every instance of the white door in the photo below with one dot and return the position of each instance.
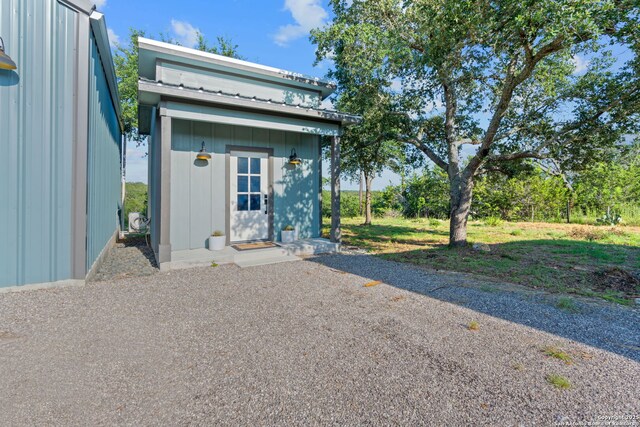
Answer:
(249, 216)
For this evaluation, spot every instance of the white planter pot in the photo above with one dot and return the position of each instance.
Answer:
(287, 236)
(217, 243)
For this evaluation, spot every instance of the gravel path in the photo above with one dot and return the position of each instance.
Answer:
(129, 258)
(299, 343)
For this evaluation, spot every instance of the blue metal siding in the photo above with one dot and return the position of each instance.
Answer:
(103, 161)
(37, 130)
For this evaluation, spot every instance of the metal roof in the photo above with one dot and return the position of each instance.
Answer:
(99, 27)
(160, 88)
(151, 50)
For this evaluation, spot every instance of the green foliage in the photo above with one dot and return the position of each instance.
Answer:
(435, 222)
(126, 65)
(427, 195)
(499, 75)
(492, 221)
(609, 218)
(135, 199)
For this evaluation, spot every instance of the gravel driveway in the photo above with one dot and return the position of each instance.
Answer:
(303, 343)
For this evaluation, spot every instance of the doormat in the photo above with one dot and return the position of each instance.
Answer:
(253, 245)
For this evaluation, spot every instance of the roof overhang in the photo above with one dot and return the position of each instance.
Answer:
(149, 51)
(99, 28)
(151, 93)
(252, 119)
(84, 6)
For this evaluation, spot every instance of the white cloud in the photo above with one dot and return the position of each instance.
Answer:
(100, 3)
(186, 34)
(580, 63)
(114, 39)
(308, 14)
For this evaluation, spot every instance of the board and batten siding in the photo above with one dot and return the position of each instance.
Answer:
(37, 131)
(104, 161)
(198, 191)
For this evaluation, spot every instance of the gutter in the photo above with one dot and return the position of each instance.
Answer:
(229, 100)
(99, 27)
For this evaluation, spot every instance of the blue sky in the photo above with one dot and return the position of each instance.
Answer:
(270, 32)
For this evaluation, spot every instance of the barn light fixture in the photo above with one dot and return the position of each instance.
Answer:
(202, 154)
(6, 63)
(293, 158)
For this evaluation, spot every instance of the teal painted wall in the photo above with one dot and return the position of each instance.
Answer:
(103, 157)
(198, 192)
(36, 134)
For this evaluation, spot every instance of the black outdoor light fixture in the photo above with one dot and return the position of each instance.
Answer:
(293, 158)
(6, 63)
(202, 154)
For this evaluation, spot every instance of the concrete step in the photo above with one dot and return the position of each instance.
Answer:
(259, 254)
(248, 262)
(311, 247)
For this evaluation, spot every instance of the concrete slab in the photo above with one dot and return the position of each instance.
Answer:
(284, 252)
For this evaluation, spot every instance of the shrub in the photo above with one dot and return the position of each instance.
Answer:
(609, 218)
(492, 221)
(435, 222)
(587, 233)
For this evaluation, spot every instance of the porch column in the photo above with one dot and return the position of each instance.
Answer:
(164, 242)
(336, 233)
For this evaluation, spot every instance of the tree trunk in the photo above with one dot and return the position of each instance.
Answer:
(360, 195)
(461, 195)
(367, 201)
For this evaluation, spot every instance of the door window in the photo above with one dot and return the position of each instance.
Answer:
(249, 196)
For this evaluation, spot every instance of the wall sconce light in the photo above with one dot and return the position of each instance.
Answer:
(202, 154)
(293, 158)
(6, 63)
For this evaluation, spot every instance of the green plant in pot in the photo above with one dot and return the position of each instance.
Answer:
(217, 241)
(288, 234)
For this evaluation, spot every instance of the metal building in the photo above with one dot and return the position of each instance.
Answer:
(234, 147)
(60, 143)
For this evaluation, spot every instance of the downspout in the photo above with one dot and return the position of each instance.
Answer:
(123, 175)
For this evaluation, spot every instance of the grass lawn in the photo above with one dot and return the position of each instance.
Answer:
(565, 258)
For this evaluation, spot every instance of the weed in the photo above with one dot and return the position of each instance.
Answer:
(558, 381)
(435, 222)
(516, 232)
(518, 366)
(558, 354)
(213, 264)
(493, 221)
(473, 326)
(567, 304)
